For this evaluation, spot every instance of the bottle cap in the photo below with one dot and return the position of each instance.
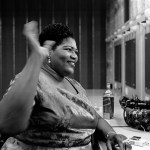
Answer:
(108, 85)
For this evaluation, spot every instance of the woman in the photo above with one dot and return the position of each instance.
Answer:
(44, 108)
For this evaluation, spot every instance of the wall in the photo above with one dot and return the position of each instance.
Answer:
(85, 17)
(114, 21)
(121, 30)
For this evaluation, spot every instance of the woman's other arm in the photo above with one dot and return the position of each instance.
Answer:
(112, 138)
(16, 105)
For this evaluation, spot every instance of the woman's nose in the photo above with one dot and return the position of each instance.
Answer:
(74, 55)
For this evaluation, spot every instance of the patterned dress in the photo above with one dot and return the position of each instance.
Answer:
(60, 120)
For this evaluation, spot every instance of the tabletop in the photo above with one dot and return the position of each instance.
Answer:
(118, 123)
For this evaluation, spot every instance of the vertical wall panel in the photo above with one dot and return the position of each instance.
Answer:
(0, 49)
(33, 12)
(117, 63)
(73, 22)
(46, 12)
(7, 44)
(130, 68)
(90, 45)
(20, 41)
(102, 45)
(60, 11)
(84, 41)
(86, 44)
(96, 43)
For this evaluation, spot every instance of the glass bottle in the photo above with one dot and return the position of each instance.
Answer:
(108, 103)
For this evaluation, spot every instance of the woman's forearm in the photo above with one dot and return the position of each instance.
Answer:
(104, 128)
(16, 105)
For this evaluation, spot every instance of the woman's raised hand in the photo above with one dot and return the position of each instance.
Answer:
(31, 33)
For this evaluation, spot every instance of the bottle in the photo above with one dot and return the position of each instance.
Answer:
(108, 103)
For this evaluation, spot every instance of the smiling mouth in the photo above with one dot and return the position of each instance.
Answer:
(71, 63)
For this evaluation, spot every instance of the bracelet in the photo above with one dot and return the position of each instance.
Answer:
(111, 132)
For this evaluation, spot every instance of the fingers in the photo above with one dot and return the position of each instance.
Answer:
(117, 143)
(31, 28)
(49, 44)
(127, 146)
(121, 145)
(123, 137)
(31, 32)
(109, 145)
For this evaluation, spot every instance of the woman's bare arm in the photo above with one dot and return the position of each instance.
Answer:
(16, 105)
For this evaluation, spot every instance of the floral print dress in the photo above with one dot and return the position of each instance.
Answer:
(60, 120)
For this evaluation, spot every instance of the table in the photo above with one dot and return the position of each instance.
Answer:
(118, 123)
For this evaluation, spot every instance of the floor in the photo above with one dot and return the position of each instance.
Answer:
(118, 123)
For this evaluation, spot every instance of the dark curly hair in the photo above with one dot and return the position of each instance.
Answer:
(56, 32)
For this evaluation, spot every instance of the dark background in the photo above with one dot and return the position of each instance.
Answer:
(85, 17)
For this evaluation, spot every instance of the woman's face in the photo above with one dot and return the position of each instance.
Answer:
(64, 57)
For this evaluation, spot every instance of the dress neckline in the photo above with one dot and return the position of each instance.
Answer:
(53, 73)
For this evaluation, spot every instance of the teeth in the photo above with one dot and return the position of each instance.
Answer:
(72, 63)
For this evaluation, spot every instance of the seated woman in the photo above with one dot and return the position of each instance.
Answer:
(44, 109)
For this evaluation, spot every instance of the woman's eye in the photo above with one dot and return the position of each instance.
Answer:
(76, 51)
(68, 49)
(72, 50)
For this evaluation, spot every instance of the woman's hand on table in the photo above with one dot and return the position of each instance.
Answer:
(115, 142)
